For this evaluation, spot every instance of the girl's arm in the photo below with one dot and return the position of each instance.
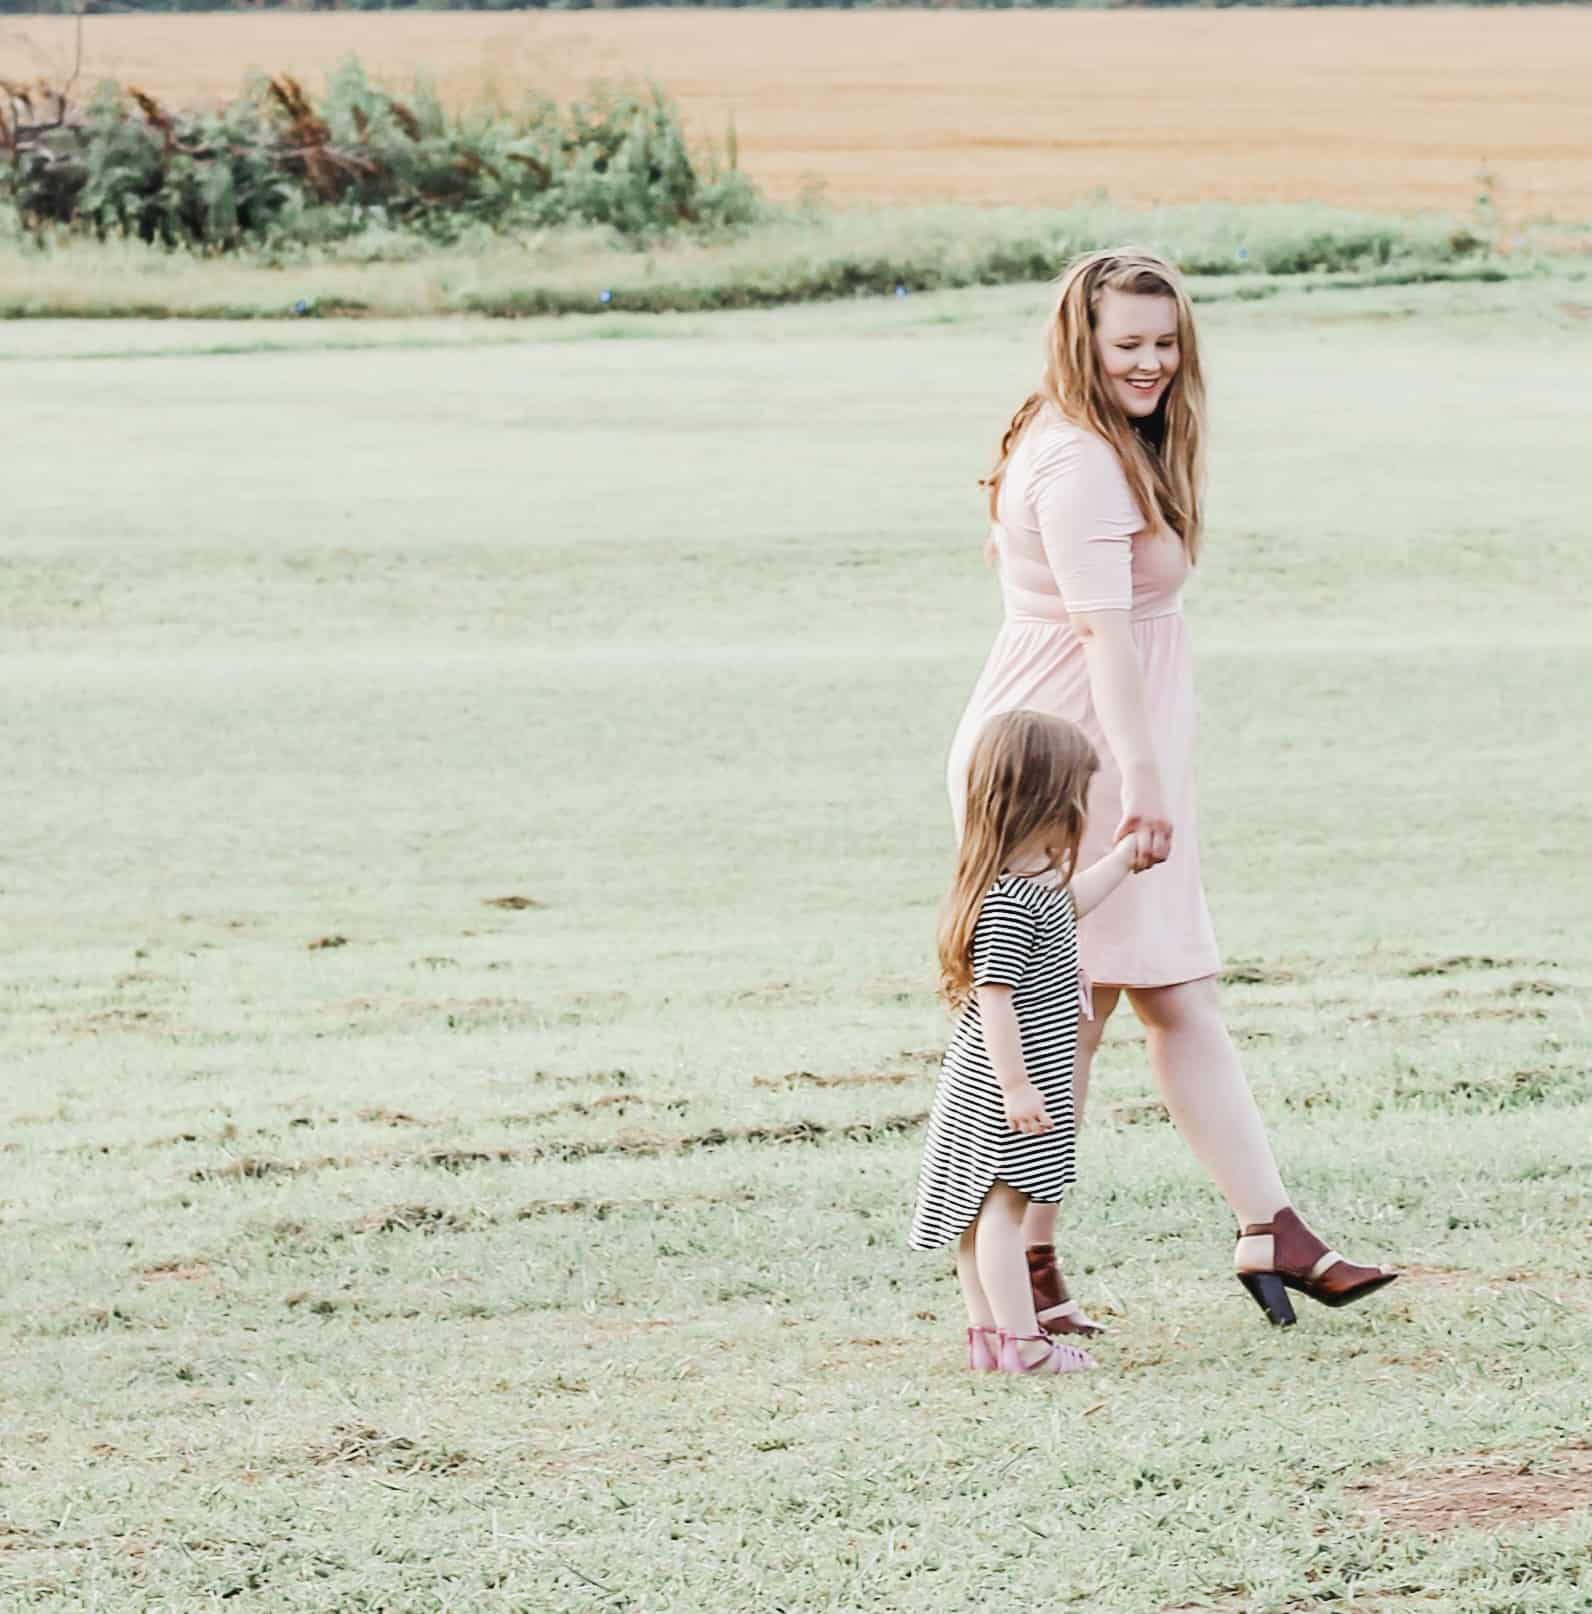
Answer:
(1025, 1104)
(1117, 685)
(1099, 880)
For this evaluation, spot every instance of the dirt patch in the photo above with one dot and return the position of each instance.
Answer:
(1438, 1277)
(457, 1013)
(459, 1159)
(179, 1272)
(595, 1078)
(787, 993)
(1137, 1111)
(628, 1142)
(321, 943)
(354, 1445)
(416, 1219)
(88, 1320)
(599, 1209)
(254, 1167)
(1576, 310)
(1460, 961)
(1502, 1011)
(651, 1143)
(592, 1106)
(380, 1117)
(1241, 974)
(512, 904)
(1237, 1602)
(807, 1078)
(1505, 1090)
(104, 1020)
(1486, 1491)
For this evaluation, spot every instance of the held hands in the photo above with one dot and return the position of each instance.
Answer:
(1025, 1109)
(1145, 821)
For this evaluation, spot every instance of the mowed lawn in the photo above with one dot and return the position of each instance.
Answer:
(1387, 108)
(473, 822)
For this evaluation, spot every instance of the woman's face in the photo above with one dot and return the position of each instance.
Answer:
(1136, 341)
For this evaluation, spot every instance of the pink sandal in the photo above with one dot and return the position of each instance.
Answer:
(1058, 1359)
(980, 1353)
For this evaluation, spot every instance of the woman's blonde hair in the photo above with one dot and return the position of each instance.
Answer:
(1029, 772)
(1163, 458)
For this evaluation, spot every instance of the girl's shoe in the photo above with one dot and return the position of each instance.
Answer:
(1057, 1311)
(1282, 1254)
(1058, 1358)
(981, 1350)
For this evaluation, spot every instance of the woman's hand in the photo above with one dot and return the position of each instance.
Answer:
(1025, 1108)
(1144, 817)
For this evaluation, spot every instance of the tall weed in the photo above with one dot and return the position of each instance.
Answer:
(274, 167)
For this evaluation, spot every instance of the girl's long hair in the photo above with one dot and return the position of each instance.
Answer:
(1029, 772)
(1162, 457)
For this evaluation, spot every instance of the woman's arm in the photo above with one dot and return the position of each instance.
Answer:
(1025, 1104)
(1117, 686)
(1099, 880)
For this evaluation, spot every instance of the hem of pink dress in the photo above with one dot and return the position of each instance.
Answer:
(1098, 981)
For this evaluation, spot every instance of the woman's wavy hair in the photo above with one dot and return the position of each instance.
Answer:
(1162, 457)
(1029, 772)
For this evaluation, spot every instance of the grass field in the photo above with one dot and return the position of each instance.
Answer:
(1398, 110)
(473, 824)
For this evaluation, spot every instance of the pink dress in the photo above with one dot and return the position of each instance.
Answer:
(1070, 538)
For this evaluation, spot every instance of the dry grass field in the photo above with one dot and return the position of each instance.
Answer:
(472, 823)
(1395, 110)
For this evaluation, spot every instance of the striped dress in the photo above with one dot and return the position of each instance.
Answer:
(1026, 938)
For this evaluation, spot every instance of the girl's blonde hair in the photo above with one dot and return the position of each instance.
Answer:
(1163, 458)
(1029, 772)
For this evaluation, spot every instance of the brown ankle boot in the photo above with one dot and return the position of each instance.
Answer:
(1273, 1257)
(1057, 1311)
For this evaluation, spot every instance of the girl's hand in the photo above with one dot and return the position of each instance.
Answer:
(1144, 817)
(1025, 1109)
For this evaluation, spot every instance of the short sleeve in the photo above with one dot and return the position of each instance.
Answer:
(1087, 519)
(1003, 940)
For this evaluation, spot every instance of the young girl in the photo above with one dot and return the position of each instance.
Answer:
(1001, 1133)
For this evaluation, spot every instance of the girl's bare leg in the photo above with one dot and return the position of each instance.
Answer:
(1003, 1267)
(1202, 1084)
(1039, 1225)
(973, 1297)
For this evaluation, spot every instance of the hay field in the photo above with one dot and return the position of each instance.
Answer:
(1389, 109)
(472, 826)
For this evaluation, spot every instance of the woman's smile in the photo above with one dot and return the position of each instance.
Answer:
(1136, 340)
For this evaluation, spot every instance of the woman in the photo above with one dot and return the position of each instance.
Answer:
(1096, 499)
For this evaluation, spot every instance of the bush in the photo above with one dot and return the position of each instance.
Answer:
(273, 168)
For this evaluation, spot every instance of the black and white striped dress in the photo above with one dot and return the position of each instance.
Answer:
(1026, 938)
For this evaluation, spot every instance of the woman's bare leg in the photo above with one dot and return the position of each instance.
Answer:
(1039, 1225)
(1202, 1084)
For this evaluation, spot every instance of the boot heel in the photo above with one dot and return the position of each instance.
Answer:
(1267, 1291)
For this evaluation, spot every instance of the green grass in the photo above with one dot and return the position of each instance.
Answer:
(553, 1258)
(802, 255)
